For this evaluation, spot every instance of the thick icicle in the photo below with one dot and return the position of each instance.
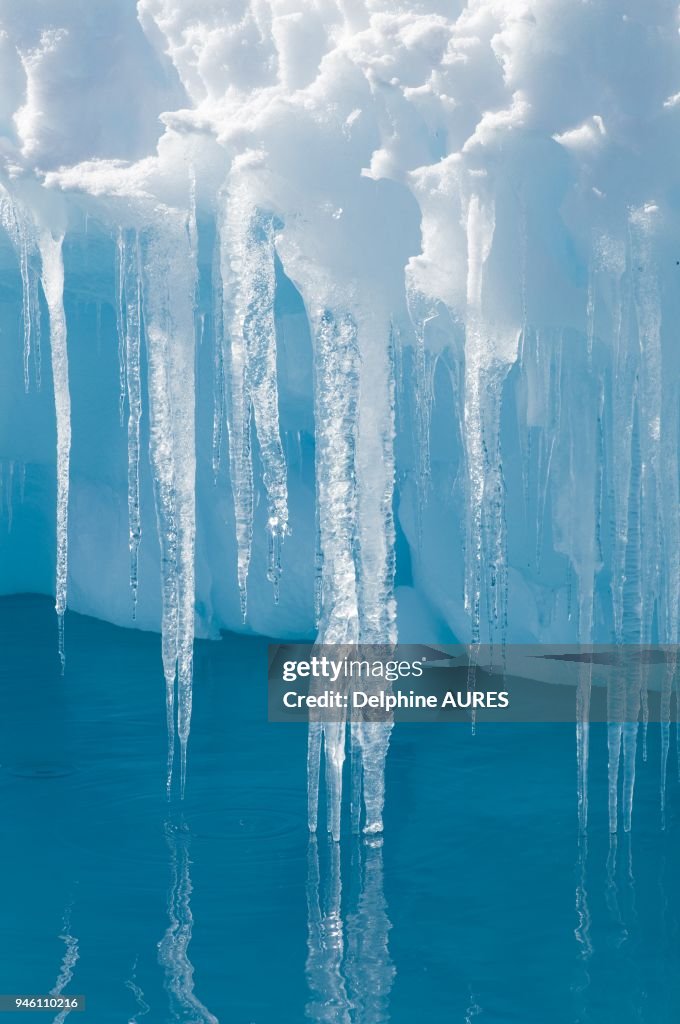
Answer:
(647, 300)
(336, 401)
(336, 396)
(375, 484)
(376, 536)
(238, 423)
(484, 376)
(355, 475)
(53, 287)
(248, 271)
(168, 300)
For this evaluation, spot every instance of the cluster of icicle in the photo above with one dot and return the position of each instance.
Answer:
(156, 278)
(569, 451)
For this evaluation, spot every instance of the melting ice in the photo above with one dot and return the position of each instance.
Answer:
(361, 325)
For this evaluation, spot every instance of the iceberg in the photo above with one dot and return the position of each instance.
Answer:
(361, 324)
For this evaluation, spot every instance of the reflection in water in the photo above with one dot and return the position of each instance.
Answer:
(173, 948)
(618, 927)
(325, 940)
(473, 1010)
(138, 993)
(582, 932)
(68, 963)
(349, 970)
(368, 968)
(612, 895)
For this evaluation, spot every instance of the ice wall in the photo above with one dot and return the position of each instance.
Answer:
(384, 297)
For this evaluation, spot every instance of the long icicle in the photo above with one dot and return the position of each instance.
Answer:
(168, 300)
(376, 540)
(249, 277)
(131, 292)
(336, 361)
(53, 287)
(19, 226)
(238, 420)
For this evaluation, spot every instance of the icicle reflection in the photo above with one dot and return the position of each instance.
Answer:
(173, 949)
(349, 970)
(68, 963)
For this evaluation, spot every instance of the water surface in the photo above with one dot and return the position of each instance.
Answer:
(480, 905)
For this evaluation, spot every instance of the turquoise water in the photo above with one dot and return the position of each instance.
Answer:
(480, 905)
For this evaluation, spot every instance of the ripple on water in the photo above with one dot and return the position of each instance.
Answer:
(136, 828)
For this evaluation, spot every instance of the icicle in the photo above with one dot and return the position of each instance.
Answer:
(53, 287)
(421, 313)
(334, 738)
(25, 301)
(356, 781)
(131, 305)
(665, 725)
(120, 322)
(590, 312)
(18, 225)
(314, 741)
(374, 461)
(583, 693)
(648, 311)
(219, 403)
(375, 486)
(623, 709)
(355, 477)
(168, 301)
(614, 734)
(630, 735)
(336, 401)
(336, 396)
(249, 237)
(484, 376)
(238, 422)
